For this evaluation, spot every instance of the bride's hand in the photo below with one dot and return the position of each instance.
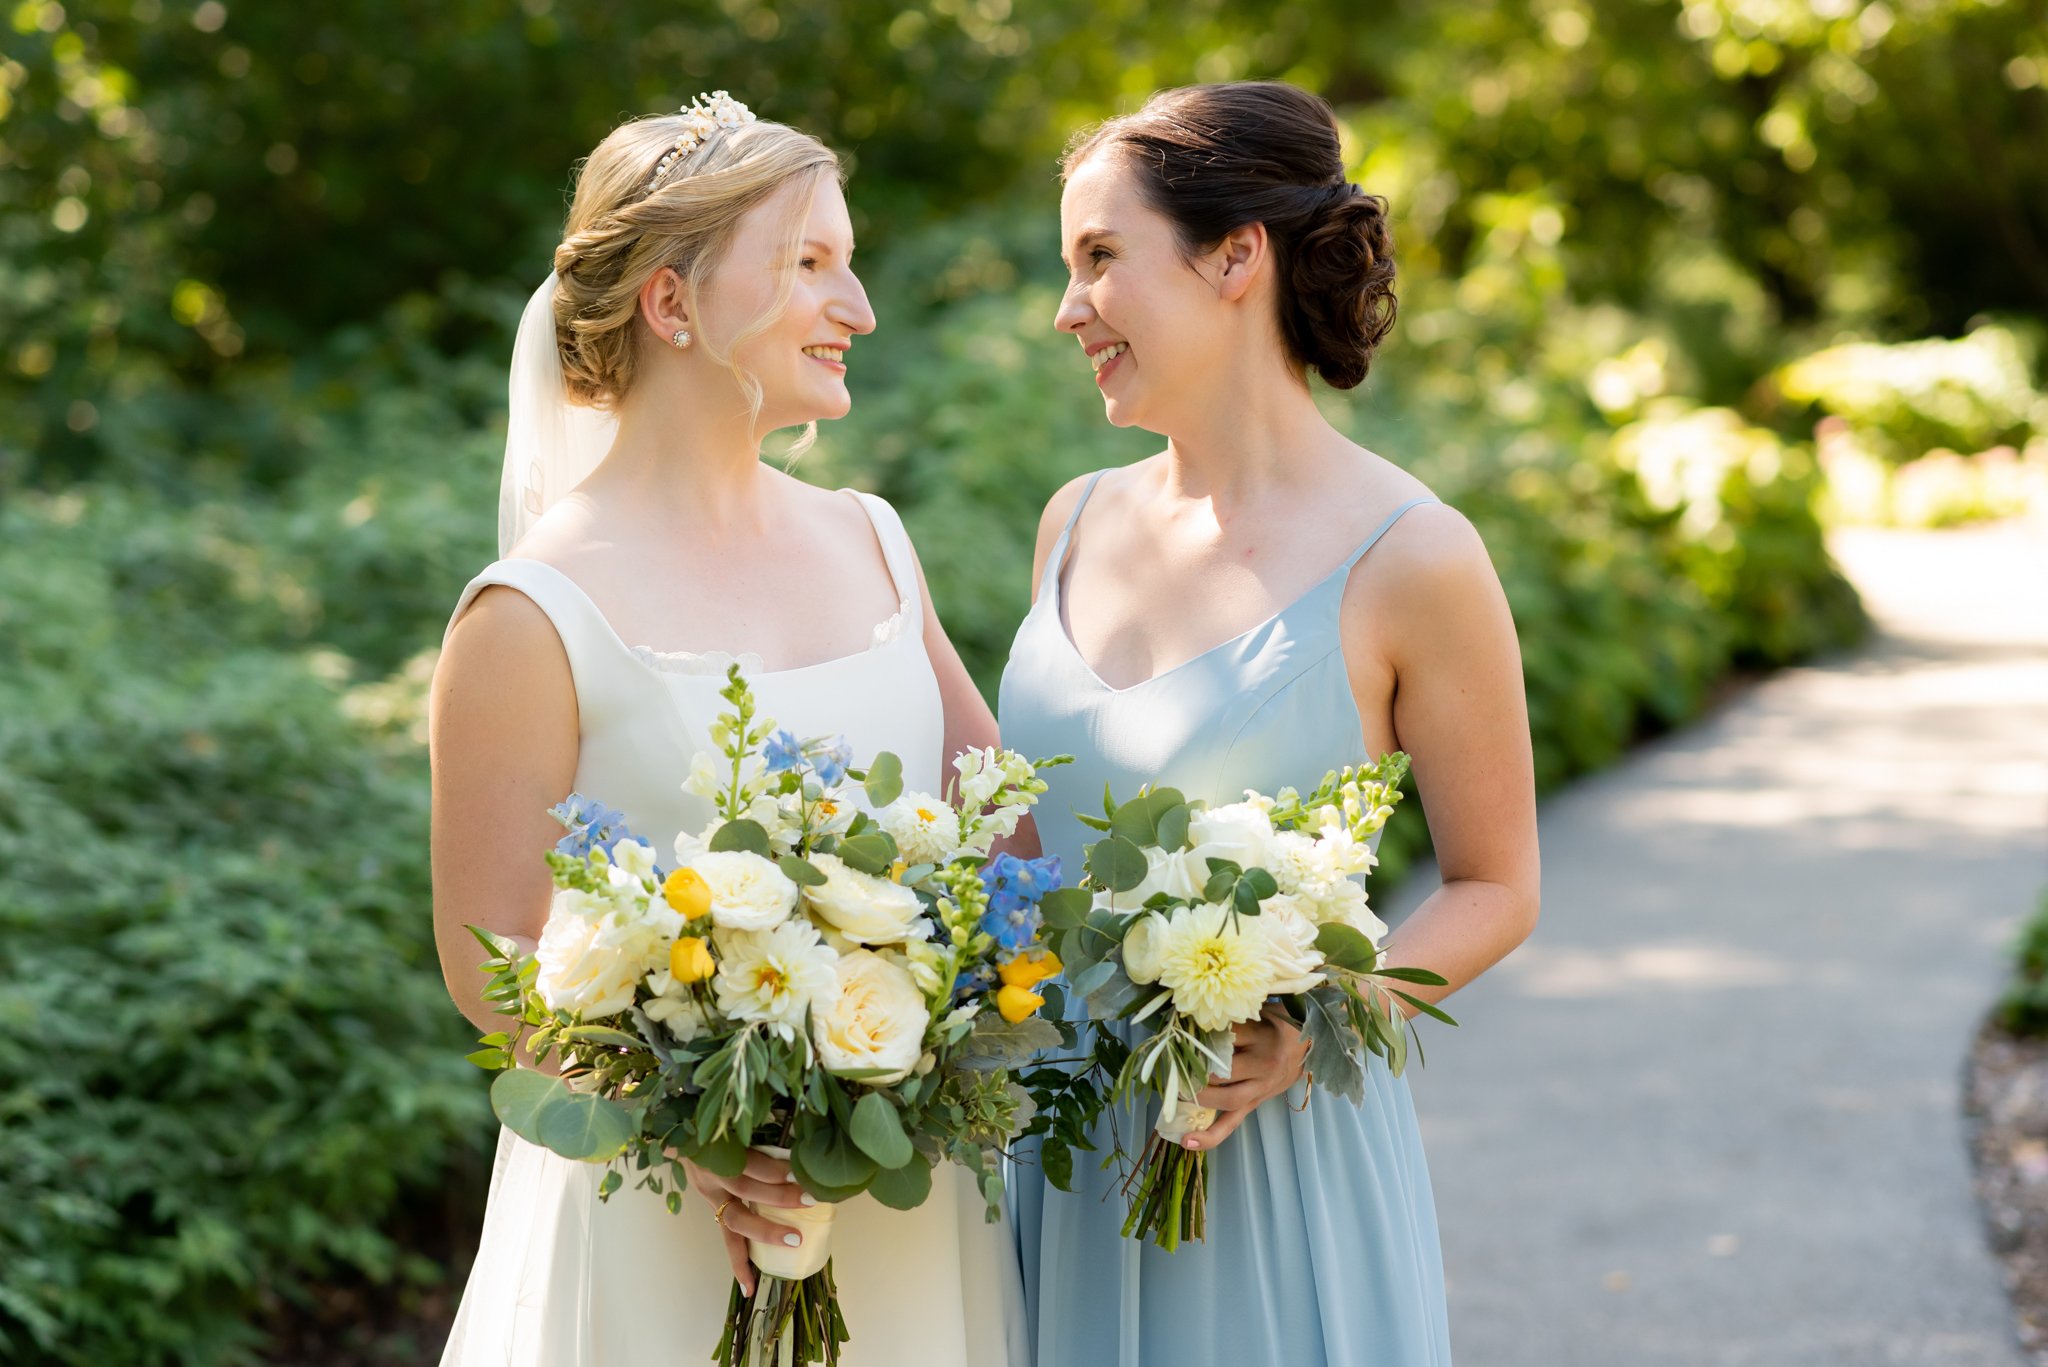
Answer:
(1267, 1059)
(765, 1181)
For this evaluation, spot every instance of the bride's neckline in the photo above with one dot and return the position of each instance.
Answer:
(713, 664)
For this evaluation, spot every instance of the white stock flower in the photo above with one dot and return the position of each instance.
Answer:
(747, 891)
(863, 908)
(774, 976)
(593, 952)
(926, 830)
(1219, 967)
(1144, 945)
(877, 1019)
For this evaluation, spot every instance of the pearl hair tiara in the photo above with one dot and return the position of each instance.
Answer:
(702, 116)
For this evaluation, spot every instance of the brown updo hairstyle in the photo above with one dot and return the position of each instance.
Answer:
(1213, 158)
(620, 234)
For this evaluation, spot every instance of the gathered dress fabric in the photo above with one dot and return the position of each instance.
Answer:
(563, 1279)
(1322, 1243)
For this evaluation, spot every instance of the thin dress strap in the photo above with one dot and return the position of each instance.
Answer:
(896, 552)
(1056, 561)
(1383, 529)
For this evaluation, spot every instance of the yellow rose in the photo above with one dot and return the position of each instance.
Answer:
(688, 893)
(689, 960)
(1017, 1002)
(1023, 972)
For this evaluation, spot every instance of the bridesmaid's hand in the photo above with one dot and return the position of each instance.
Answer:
(1269, 1057)
(766, 1181)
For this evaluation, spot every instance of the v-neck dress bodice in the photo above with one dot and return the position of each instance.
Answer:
(1322, 1240)
(564, 1280)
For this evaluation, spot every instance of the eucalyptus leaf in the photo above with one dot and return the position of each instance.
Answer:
(583, 1125)
(801, 872)
(878, 1129)
(904, 1187)
(742, 834)
(871, 854)
(830, 1155)
(518, 1096)
(1091, 979)
(885, 779)
(1064, 908)
(1116, 864)
(1171, 828)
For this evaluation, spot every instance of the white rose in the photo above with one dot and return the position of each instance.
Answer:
(774, 976)
(1143, 948)
(1297, 963)
(747, 891)
(1241, 833)
(592, 953)
(1176, 873)
(926, 830)
(877, 1019)
(865, 909)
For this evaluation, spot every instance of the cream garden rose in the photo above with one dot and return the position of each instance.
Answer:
(877, 1019)
(865, 909)
(747, 891)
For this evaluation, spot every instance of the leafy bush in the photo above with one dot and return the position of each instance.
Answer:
(227, 1053)
(2024, 1007)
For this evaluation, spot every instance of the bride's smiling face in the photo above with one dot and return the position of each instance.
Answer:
(800, 357)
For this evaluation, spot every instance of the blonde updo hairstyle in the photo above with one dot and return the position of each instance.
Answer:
(620, 234)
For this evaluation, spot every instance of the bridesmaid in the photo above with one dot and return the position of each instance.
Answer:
(1260, 602)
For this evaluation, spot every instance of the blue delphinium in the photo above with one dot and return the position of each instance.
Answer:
(783, 751)
(830, 762)
(592, 826)
(1014, 887)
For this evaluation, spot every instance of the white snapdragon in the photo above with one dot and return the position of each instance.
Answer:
(675, 1007)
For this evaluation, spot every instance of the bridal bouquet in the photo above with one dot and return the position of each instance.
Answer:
(1189, 921)
(833, 969)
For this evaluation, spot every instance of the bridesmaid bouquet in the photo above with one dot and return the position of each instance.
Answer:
(833, 969)
(1189, 921)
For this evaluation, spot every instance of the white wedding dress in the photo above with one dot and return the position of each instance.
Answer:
(564, 1280)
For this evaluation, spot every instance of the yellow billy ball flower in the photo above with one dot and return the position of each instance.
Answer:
(1017, 1002)
(688, 893)
(1023, 972)
(690, 961)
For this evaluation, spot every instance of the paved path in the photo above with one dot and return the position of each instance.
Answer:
(1709, 1113)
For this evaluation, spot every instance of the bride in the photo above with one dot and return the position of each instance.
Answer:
(703, 296)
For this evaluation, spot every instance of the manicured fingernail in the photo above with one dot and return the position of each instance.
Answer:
(1192, 1143)
(792, 1239)
(807, 1198)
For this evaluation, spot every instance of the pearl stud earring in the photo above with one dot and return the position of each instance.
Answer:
(682, 338)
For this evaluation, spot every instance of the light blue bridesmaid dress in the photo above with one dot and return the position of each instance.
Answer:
(1322, 1239)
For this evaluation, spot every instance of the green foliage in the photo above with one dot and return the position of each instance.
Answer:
(2024, 1008)
(228, 1056)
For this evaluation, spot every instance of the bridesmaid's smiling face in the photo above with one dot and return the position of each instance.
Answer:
(1147, 317)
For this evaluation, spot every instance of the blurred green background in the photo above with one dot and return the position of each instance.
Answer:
(1679, 282)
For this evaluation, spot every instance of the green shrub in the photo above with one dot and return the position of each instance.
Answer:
(226, 1051)
(2024, 1008)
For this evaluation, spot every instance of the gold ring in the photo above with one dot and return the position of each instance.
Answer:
(718, 1216)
